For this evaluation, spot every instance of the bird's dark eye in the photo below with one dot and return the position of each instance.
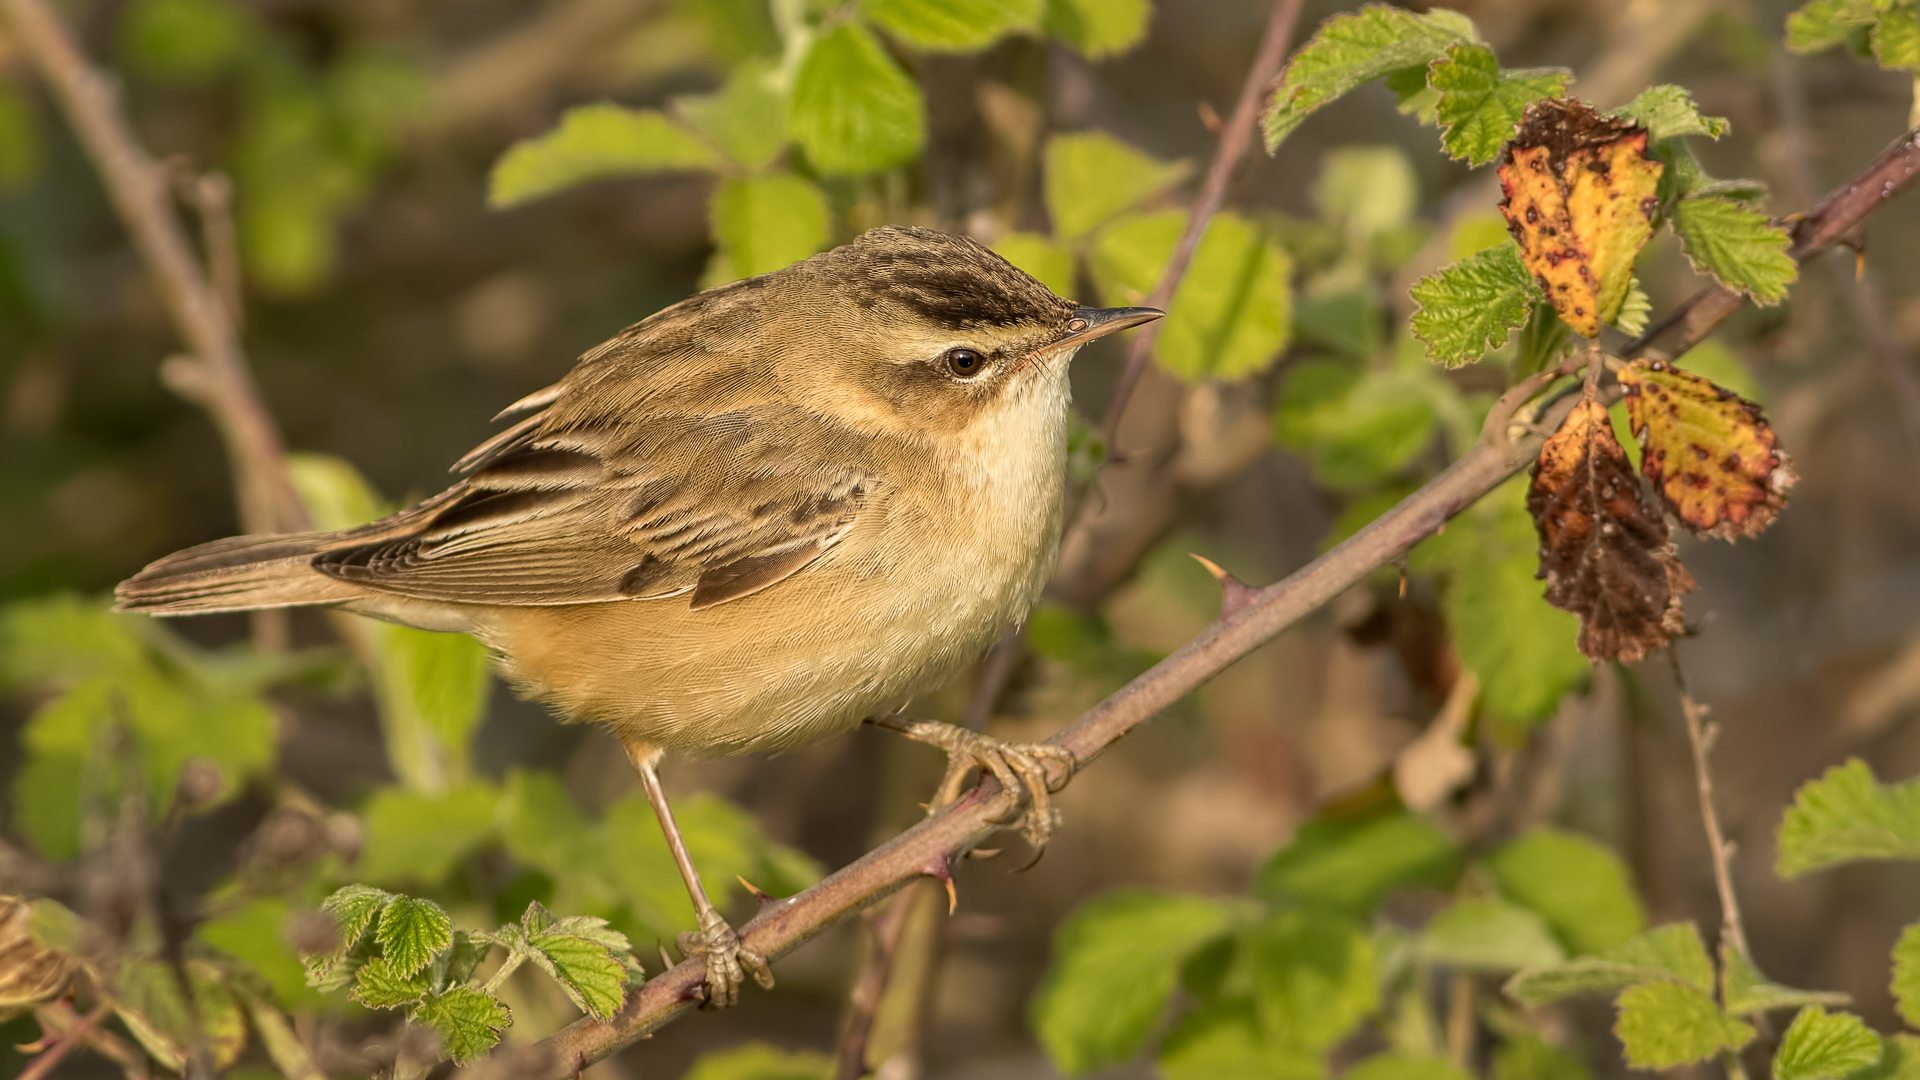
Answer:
(964, 362)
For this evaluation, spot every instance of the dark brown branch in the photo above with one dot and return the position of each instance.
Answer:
(141, 192)
(1234, 140)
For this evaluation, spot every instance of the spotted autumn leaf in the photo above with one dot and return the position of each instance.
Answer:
(1580, 200)
(1709, 452)
(1603, 542)
(31, 974)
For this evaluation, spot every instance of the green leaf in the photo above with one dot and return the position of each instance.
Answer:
(1530, 1057)
(1819, 1046)
(1401, 1066)
(1313, 977)
(184, 41)
(1845, 815)
(760, 1061)
(355, 908)
(1353, 866)
(1356, 428)
(594, 977)
(432, 689)
(1634, 311)
(1098, 28)
(333, 491)
(469, 1021)
(1823, 24)
(594, 142)
(953, 25)
(1749, 991)
(1480, 104)
(1223, 1041)
(378, 986)
(1668, 111)
(1041, 257)
(1899, 1060)
(256, 934)
(747, 118)
(1370, 191)
(411, 932)
(1470, 307)
(419, 838)
(1896, 38)
(852, 108)
(1350, 51)
(1737, 245)
(1489, 935)
(1580, 887)
(1091, 176)
(1906, 975)
(1115, 961)
(763, 223)
(1522, 649)
(1664, 1024)
(1670, 953)
(1231, 315)
(150, 1003)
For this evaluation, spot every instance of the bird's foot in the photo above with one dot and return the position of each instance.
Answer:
(1020, 767)
(728, 962)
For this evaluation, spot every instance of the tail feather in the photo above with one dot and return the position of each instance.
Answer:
(240, 573)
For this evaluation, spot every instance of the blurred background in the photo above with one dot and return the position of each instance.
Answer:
(389, 312)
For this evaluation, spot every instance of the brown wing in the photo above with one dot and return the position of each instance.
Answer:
(615, 498)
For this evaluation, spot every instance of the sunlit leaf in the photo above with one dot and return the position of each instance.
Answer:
(1114, 965)
(1223, 1041)
(1480, 104)
(1844, 816)
(747, 117)
(1091, 176)
(852, 107)
(593, 142)
(1313, 976)
(469, 1021)
(414, 837)
(1232, 313)
(1353, 866)
(1823, 1046)
(1471, 306)
(1489, 935)
(1580, 887)
(411, 933)
(1736, 245)
(763, 223)
(1663, 1024)
(760, 1061)
(1749, 991)
(953, 25)
(1098, 28)
(1668, 111)
(1040, 256)
(1349, 51)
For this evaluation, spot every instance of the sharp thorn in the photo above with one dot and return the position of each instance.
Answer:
(759, 894)
(1859, 265)
(953, 897)
(1234, 593)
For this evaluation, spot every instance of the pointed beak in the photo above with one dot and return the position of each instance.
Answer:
(1089, 323)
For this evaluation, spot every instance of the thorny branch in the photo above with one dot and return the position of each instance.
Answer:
(216, 377)
(1701, 734)
(928, 849)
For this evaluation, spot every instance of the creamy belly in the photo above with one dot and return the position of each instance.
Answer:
(920, 588)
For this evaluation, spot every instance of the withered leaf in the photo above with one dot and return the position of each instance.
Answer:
(1603, 542)
(31, 974)
(1709, 452)
(1580, 200)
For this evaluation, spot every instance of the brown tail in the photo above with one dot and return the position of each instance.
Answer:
(236, 574)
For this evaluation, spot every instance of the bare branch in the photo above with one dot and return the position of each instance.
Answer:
(1701, 734)
(140, 190)
(929, 848)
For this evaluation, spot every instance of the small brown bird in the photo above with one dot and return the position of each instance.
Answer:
(748, 522)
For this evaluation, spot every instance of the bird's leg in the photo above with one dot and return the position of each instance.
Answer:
(1018, 767)
(728, 963)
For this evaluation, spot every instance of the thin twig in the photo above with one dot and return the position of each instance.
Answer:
(43, 1065)
(140, 191)
(1234, 140)
(1701, 734)
(863, 1004)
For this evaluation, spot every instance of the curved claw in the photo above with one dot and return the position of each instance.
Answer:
(728, 962)
(1017, 766)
